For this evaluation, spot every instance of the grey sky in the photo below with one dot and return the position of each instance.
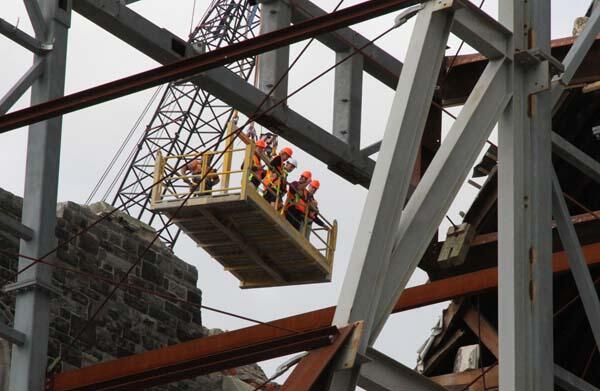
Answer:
(91, 136)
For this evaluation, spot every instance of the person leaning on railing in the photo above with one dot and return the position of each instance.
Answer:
(194, 167)
(313, 206)
(257, 171)
(275, 172)
(295, 204)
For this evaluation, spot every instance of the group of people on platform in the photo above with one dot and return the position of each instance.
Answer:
(300, 207)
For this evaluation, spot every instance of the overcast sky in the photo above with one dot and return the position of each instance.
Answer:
(91, 137)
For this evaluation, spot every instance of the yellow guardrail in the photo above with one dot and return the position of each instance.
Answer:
(173, 183)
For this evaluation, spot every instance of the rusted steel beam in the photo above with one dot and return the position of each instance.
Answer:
(466, 69)
(162, 360)
(310, 368)
(203, 62)
(192, 358)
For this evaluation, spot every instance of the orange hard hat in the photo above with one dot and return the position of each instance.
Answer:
(307, 174)
(315, 184)
(261, 143)
(288, 151)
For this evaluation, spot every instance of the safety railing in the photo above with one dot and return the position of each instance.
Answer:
(176, 176)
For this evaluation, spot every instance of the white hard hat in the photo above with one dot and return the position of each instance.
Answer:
(292, 161)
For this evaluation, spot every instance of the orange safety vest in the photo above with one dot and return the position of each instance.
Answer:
(257, 168)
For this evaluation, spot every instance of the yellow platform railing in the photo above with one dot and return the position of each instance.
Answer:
(175, 184)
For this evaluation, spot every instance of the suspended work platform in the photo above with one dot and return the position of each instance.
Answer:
(241, 230)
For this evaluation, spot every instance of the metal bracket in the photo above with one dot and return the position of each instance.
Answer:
(532, 57)
(349, 355)
(30, 284)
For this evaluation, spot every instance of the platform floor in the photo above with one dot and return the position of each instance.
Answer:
(250, 239)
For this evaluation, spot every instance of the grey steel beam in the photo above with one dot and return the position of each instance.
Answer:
(32, 289)
(383, 373)
(22, 85)
(11, 335)
(481, 31)
(159, 44)
(371, 251)
(576, 157)
(371, 149)
(441, 182)
(347, 98)
(571, 382)
(524, 197)
(12, 225)
(377, 62)
(20, 37)
(38, 20)
(576, 54)
(579, 268)
(273, 65)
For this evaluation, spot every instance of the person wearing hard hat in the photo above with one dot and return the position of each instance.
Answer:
(313, 206)
(275, 173)
(295, 204)
(196, 176)
(257, 170)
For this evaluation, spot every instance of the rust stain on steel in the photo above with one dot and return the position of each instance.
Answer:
(310, 368)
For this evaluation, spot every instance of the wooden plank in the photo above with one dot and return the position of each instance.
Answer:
(458, 381)
(310, 368)
(489, 336)
(236, 237)
(443, 351)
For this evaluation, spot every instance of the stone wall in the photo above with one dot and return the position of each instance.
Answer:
(132, 322)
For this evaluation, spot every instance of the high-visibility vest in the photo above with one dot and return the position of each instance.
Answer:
(257, 167)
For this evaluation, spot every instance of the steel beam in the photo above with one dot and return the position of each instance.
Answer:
(347, 98)
(576, 157)
(576, 55)
(389, 186)
(201, 63)
(160, 45)
(11, 335)
(37, 18)
(441, 182)
(371, 149)
(383, 373)
(20, 37)
(22, 231)
(481, 31)
(22, 85)
(414, 297)
(32, 289)
(273, 66)
(579, 268)
(377, 62)
(571, 382)
(190, 359)
(524, 197)
(369, 260)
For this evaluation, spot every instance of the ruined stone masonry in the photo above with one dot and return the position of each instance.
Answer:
(132, 322)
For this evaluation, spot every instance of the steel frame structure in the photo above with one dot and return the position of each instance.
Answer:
(519, 88)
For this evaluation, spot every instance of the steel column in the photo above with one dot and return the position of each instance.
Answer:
(524, 225)
(441, 182)
(391, 178)
(579, 268)
(273, 65)
(347, 98)
(32, 289)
